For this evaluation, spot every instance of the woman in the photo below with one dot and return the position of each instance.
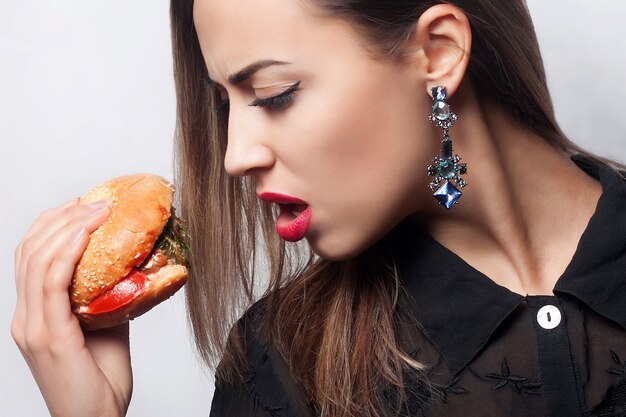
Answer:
(308, 120)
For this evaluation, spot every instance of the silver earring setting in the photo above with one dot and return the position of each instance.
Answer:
(445, 167)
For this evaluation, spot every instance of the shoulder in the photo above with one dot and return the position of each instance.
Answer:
(247, 343)
(265, 381)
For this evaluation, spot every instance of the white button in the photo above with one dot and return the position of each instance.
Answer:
(549, 317)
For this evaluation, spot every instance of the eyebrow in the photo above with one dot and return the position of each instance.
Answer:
(242, 75)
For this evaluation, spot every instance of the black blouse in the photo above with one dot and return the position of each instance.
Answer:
(490, 351)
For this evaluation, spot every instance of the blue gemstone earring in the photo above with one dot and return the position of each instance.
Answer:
(445, 167)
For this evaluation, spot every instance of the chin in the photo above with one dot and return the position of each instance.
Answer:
(335, 248)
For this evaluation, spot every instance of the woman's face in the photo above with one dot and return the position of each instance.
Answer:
(321, 121)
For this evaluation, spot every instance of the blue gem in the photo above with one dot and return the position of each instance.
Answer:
(441, 110)
(439, 93)
(447, 194)
(447, 169)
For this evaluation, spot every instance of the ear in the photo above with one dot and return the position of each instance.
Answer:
(444, 38)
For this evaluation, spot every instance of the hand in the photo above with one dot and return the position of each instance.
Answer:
(79, 374)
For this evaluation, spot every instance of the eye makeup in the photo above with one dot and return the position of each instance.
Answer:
(279, 101)
(276, 102)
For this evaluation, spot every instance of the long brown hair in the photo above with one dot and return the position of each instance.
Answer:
(335, 323)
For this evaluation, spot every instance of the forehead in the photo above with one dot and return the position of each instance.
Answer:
(234, 33)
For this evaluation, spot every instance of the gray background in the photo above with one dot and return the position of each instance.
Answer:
(86, 94)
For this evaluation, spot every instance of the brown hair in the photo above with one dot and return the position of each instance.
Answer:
(336, 323)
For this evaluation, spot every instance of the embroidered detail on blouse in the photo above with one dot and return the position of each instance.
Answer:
(451, 388)
(519, 384)
(420, 391)
(614, 403)
(258, 401)
(621, 367)
(417, 394)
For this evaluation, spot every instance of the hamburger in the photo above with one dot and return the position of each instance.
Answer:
(135, 259)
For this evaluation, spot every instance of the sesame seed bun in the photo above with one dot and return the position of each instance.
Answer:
(140, 208)
(164, 283)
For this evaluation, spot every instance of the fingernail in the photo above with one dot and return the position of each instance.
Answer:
(80, 235)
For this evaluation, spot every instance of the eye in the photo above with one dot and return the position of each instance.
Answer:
(278, 102)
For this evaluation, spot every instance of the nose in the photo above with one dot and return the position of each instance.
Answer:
(247, 150)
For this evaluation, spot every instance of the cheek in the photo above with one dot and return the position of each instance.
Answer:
(359, 166)
(364, 139)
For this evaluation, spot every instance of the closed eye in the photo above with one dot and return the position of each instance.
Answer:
(279, 101)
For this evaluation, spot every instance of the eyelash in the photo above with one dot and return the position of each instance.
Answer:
(277, 102)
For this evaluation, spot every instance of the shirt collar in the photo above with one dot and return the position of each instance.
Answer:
(597, 273)
(459, 308)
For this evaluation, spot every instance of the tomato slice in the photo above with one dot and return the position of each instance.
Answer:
(123, 293)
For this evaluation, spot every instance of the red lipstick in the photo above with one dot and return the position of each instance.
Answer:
(294, 219)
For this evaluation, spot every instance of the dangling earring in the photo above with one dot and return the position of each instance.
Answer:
(445, 167)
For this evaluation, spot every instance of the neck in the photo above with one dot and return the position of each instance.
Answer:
(526, 205)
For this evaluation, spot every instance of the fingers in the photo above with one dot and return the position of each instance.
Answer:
(57, 312)
(58, 241)
(47, 224)
(46, 331)
(45, 217)
(38, 223)
(42, 220)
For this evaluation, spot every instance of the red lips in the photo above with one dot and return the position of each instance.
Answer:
(294, 219)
